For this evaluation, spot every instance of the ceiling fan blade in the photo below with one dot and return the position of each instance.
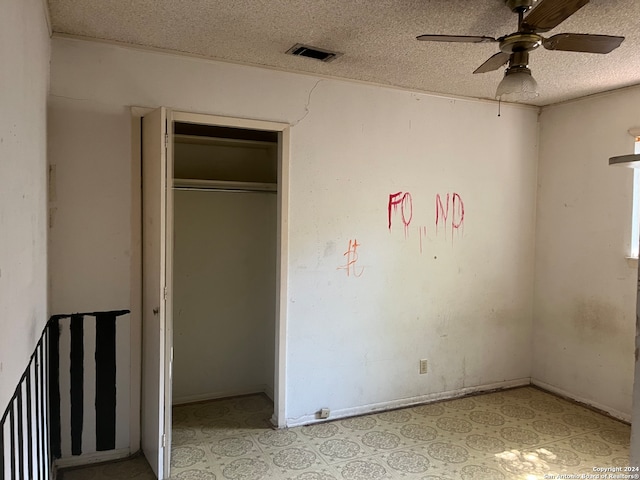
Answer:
(579, 42)
(494, 63)
(551, 13)
(455, 38)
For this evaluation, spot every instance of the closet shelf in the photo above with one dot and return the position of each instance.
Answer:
(223, 185)
(223, 142)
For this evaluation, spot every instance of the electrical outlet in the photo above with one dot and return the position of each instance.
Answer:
(423, 366)
(324, 413)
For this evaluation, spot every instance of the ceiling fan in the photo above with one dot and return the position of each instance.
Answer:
(518, 84)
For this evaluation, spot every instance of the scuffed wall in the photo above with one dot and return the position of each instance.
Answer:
(24, 82)
(24, 76)
(585, 290)
(411, 220)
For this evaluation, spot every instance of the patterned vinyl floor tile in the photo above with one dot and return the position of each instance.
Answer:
(518, 434)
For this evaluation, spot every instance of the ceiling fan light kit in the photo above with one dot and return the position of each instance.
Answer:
(518, 84)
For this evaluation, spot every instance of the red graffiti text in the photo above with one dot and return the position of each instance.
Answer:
(352, 258)
(405, 202)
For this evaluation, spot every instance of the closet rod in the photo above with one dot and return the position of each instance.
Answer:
(224, 189)
(223, 185)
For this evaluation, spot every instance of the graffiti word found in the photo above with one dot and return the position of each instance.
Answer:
(405, 202)
(449, 214)
(442, 212)
(352, 258)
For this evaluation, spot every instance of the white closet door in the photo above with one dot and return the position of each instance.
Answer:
(157, 172)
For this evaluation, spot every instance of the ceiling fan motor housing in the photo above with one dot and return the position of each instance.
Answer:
(520, 42)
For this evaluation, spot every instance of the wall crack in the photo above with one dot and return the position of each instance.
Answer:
(306, 107)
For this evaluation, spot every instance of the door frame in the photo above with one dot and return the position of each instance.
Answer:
(282, 255)
(282, 241)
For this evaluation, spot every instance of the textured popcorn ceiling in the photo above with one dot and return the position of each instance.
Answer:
(376, 37)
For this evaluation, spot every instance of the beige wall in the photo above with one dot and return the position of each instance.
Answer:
(224, 294)
(352, 343)
(24, 80)
(585, 290)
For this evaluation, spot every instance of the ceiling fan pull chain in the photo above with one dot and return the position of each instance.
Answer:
(499, 106)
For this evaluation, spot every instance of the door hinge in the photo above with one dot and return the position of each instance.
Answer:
(166, 140)
(164, 440)
(171, 364)
(164, 293)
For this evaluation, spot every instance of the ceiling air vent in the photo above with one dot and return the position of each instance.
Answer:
(301, 50)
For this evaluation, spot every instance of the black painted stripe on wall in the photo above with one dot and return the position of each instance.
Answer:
(105, 381)
(77, 382)
(54, 387)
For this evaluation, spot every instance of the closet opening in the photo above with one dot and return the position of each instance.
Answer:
(214, 250)
(225, 254)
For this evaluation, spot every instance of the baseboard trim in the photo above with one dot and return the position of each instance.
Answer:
(408, 402)
(91, 458)
(583, 401)
(225, 394)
